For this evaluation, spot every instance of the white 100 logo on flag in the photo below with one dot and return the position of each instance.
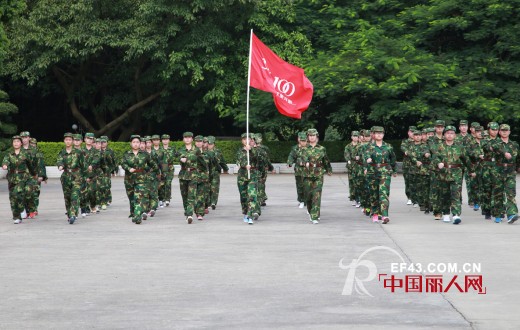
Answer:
(284, 86)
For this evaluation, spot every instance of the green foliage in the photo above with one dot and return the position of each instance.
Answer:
(7, 128)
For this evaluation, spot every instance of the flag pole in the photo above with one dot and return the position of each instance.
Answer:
(247, 103)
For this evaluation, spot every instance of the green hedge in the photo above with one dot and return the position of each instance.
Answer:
(279, 150)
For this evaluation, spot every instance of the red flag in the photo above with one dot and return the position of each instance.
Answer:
(292, 91)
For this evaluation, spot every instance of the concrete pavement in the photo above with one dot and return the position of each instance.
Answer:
(283, 272)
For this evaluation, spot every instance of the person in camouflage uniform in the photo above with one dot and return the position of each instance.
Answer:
(364, 187)
(435, 190)
(33, 183)
(465, 139)
(450, 159)
(295, 158)
(489, 170)
(92, 165)
(316, 165)
(154, 176)
(201, 178)
(167, 170)
(476, 155)
(70, 161)
(42, 172)
(407, 163)
(20, 168)
(189, 157)
(137, 164)
(247, 179)
(357, 169)
(109, 159)
(379, 164)
(419, 154)
(215, 171)
(265, 167)
(505, 152)
(348, 154)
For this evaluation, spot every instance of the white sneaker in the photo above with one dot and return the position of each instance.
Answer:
(17, 221)
(409, 202)
(83, 215)
(23, 215)
(414, 205)
(354, 203)
(315, 222)
(358, 205)
(161, 203)
(446, 218)
(301, 205)
(167, 203)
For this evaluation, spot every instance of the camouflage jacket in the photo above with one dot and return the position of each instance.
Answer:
(383, 158)
(318, 161)
(19, 167)
(168, 159)
(72, 162)
(455, 158)
(156, 158)
(265, 162)
(213, 164)
(241, 161)
(40, 160)
(417, 153)
(194, 161)
(109, 160)
(348, 153)
(142, 163)
(405, 146)
(220, 159)
(296, 158)
(92, 158)
(505, 165)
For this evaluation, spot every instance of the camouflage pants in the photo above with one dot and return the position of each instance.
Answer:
(154, 192)
(37, 190)
(312, 192)
(137, 193)
(201, 197)
(351, 188)
(450, 196)
(489, 184)
(165, 190)
(247, 188)
(379, 183)
(189, 195)
(103, 191)
(214, 188)
(19, 192)
(435, 192)
(413, 184)
(422, 184)
(504, 194)
(30, 201)
(71, 186)
(91, 193)
(406, 176)
(299, 188)
(262, 196)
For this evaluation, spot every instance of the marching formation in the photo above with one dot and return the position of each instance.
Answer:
(436, 160)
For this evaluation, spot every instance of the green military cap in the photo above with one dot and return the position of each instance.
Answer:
(244, 135)
(211, 139)
(77, 136)
(302, 136)
(89, 135)
(165, 137)
(485, 133)
(475, 124)
(199, 138)
(440, 123)
(378, 129)
(479, 128)
(450, 128)
(17, 137)
(493, 125)
(104, 137)
(431, 130)
(156, 137)
(366, 132)
(258, 136)
(33, 141)
(412, 128)
(505, 127)
(463, 122)
(312, 131)
(97, 140)
(205, 139)
(424, 130)
(103, 140)
(417, 132)
(135, 136)
(354, 133)
(66, 135)
(24, 134)
(187, 134)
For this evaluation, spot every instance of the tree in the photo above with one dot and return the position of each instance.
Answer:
(123, 65)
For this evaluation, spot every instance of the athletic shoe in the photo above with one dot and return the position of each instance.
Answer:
(498, 220)
(255, 216)
(375, 218)
(17, 221)
(409, 202)
(200, 218)
(414, 205)
(23, 215)
(354, 203)
(72, 219)
(161, 204)
(246, 218)
(144, 216)
(456, 220)
(189, 219)
(315, 222)
(476, 207)
(385, 220)
(152, 213)
(437, 216)
(358, 204)
(446, 218)
(302, 204)
(31, 215)
(167, 203)
(250, 221)
(103, 207)
(512, 218)
(213, 206)
(263, 204)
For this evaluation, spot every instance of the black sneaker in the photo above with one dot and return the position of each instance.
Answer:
(512, 218)
(72, 219)
(213, 206)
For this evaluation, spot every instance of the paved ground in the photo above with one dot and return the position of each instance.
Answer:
(283, 272)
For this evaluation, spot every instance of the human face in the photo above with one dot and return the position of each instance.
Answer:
(17, 144)
(439, 129)
(156, 142)
(303, 143)
(98, 145)
(463, 129)
(417, 138)
(211, 146)
(424, 137)
(148, 144)
(355, 139)
(493, 133)
(142, 145)
(187, 139)
(410, 134)
(378, 136)
(26, 140)
(88, 141)
(135, 143)
(68, 142)
(77, 143)
(312, 138)
(199, 144)
(430, 134)
(165, 142)
(504, 134)
(449, 136)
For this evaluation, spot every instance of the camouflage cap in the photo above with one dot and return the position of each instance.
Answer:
(135, 136)
(463, 122)
(485, 133)
(505, 127)
(475, 124)
(103, 140)
(165, 137)
(424, 130)
(378, 129)
(156, 137)
(493, 125)
(366, 132)
(450, 128)
(312, 131)
(68, 134)
(199, 138)
(479, 128)
(77, 137)
(430, 130)
(417, 132)
(187, 134)
(104, 137)
(33, 141)
(205, 139)
(412, 128)
(145, 139)
(354, 133)
(302, 136)
(211, 139)
(97, 140)
(440, 123)
(244, 135)
(17, 137)
(89, 135)
(24, 134)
